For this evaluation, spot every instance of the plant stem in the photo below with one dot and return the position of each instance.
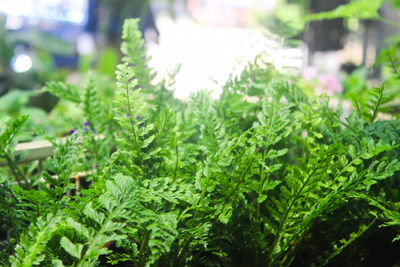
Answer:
(241, 180)
(394, 66)
(142, 246)
(375, 113)
(177, 162)
(130, 112)
(14, 169)
(288, 209)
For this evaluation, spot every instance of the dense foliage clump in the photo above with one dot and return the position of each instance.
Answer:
(225, 182)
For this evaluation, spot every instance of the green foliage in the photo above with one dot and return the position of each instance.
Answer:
(345, 243)
(29, 250)
(92, 105)
(244, 180)
(134, 52)
(374, 104)
(9, 133)
(63, 90)
(361, 9)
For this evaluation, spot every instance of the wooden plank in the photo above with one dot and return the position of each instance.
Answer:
(34, 150)
(37, 150)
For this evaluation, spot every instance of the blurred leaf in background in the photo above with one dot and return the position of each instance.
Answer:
(355, 83)
(108, 61)
(362, 9)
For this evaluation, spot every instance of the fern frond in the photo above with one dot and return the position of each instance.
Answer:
(63, 90)
(135, 53)
(108, 222)
(346, 242)
(29, 250)
(203, 115)
(377, 99)
(92, 106)
(6, 137)
(9, 133)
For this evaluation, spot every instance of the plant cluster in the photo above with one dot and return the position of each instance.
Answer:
(210, 182)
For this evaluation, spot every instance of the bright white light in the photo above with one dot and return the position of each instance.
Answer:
(85, 44)
(21, 63)
(14, 23)
(62, 10)
(229, 49)
(75, 16)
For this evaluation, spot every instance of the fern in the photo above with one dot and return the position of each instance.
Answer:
(6, 137)
(10, 217)
(58, 170)
(389, 211)
(377, 99)
(129, 105)
(63, 91)
(144, 140)
(244, 180)
(203, 116)
(345, 243)
(30, 249)
(92, 106)
(108, 223)
(9, 133)
(134, 52)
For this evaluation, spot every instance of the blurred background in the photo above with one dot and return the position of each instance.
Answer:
(206, 40)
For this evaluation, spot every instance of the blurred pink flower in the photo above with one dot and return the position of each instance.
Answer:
(309, 73)
(330, 84)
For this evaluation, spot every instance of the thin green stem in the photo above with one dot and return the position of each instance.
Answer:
(15, 170)
(203, 193)
(394, 66)
(289, 207)
(261, 185)
(98, 235)
(130, 112)
(268, 143)
(241, 180)
(183, 213)
(346, 124)
(176, 162)
(352, 239)
(12, 194)
(142, 247)
(378, 104)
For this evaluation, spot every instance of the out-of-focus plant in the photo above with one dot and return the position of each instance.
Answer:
(18, 91)
(355, 85)
(213, 182)
(359, 9)
(314, 83)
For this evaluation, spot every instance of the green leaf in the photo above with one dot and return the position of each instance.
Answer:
(226, 214)
(11, 131)
(272, 153)
(271, 185)
(262, 198)
(80, 228)
(361, 9)
(75, 250)
(63, 90)
(94, 215)
(148, 141)
(57, 263)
